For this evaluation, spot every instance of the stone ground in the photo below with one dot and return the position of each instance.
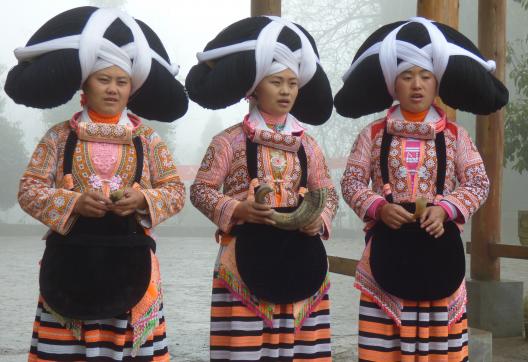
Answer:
(186, 266)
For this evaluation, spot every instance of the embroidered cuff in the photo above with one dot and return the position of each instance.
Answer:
(373, 210)
(449, 208)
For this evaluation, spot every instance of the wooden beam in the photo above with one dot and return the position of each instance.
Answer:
(486, 224)
(265, 7)
(504, 251)
(446, 12)
(343, 266)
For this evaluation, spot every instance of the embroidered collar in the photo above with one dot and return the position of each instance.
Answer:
(120, 133)
(434, 122)
(289, 139)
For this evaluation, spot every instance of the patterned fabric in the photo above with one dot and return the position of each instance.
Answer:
(230, 278)
(224, 166)
(108, 340)
(102, 166)
(420, 130)
(42, 195)
(413, 151)
(108, 133)
(402, 330)
(276, 140)
(429, 340)
(237, 333)
(466, 184)
(392, 305)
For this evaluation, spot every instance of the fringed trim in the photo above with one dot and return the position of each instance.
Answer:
(311, 303)
(456, 308)
(389, 305)
(146, 324)
(265, 310)
(73, 325)
(241, 292)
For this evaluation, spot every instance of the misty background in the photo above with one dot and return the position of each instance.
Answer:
(339, 28)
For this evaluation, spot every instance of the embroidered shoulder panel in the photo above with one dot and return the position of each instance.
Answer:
(101, 132)
(419, 130)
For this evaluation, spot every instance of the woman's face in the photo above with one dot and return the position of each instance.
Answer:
(276, 93)
(107, 90)
(415, 89)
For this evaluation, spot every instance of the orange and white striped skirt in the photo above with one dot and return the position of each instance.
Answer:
(238, 334)
(424, 334)
(101, 340)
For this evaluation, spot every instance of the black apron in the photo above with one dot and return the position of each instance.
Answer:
(279, 266)
(102, 267)
(408, 262)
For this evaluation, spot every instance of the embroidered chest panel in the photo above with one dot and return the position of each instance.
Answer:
(424, 171)
(282, 170)
(97, 163)
(276, 167)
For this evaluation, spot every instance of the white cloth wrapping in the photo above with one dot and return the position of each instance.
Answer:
(433, 57)
(271, 56)
(96, 52)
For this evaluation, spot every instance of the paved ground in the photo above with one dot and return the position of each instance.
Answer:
(186, 265)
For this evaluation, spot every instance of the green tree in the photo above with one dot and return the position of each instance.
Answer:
(516, 122)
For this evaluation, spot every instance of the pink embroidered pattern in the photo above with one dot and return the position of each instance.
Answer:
(96, 182)
(104, 157)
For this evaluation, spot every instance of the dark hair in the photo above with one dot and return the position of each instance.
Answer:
(53, 78)
(465, 85)
(228, 80)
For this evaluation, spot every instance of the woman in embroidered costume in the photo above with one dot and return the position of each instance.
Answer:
(100, 182)
(269, 298)
(411, 274)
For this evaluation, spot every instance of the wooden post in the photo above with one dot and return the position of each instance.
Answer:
(486, 224)
(265, 7)
(446, 12)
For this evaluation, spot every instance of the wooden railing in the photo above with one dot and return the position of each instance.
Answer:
(504, 251)
(343, 266)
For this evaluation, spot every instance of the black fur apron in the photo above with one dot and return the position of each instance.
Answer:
(279, 266)
(102, 267)
(408, 262)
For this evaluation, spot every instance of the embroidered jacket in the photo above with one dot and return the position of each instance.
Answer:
(466, 186)
(49, 197)
(466, 183)
(224, 166)
(223, 181)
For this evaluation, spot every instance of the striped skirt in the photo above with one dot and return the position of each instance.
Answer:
(102, 340)
(424, 335)
(237, 334)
